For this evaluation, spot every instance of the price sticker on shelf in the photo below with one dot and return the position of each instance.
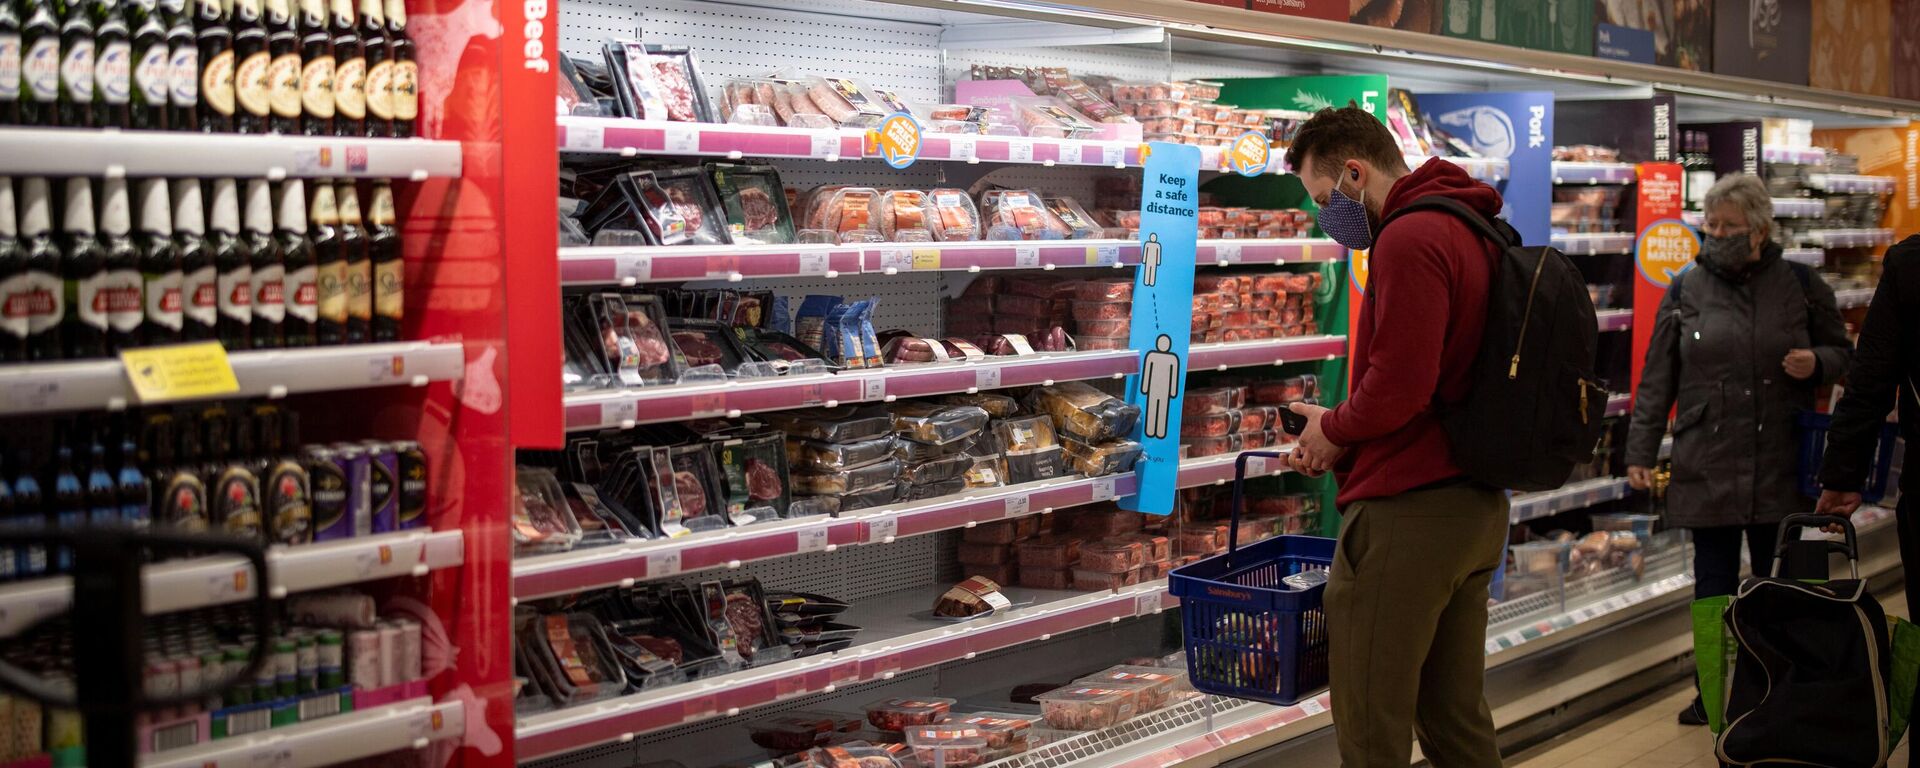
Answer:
(1103, 488)
(961, 148)
(1113, 154)
(926, 259)
(619, 412)
(1016, 506)
(810, 394)
(874, 388)
(270, 757)
(825, 144)
(709, 404)
(1227, 252)
(1148, 604)
(635, 267)
(699, 708)
(1313, 706)
(1103, 255)
(789, 686)
(1019, 150)
(1026, 257)
(881, 528)
(585, 136)
(660, 565)
(813, 539)
(987, 378)
(179, 371)
(682, 139)
(814, 263)
(897, 259)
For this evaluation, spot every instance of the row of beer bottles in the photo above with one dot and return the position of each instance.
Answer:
(313, 274)
(224, 66)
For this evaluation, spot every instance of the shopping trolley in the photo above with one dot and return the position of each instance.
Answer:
(1813, 446)
(1250, 634)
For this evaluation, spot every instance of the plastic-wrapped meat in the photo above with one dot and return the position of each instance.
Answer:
(693, 497)
(676, 87)
(759, 209)
(698, 349)
(830, 102)
(1054, 341)
(763, 481)
(782, 101)
(651, 346)
(663, 647)
(688, 208)
(744, 615)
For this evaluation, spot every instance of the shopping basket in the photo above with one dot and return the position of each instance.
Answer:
(1813, 446)
(1248, 634)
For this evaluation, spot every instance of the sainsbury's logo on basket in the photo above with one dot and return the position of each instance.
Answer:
(1230, 594)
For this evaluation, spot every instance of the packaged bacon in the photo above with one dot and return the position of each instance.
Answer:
(955, 218)
(1019, 214)
(903, 215)
(1080, 225)
(1091, 103)
(1051, 118)
(848, 211)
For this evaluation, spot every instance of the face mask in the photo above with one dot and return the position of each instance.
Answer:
(1345, 220)
(1730, 255)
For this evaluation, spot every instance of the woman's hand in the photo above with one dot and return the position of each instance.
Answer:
(1640, 478)
(1800, 363)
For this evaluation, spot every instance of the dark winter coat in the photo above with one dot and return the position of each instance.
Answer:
(1888, 362)
(1716, 354)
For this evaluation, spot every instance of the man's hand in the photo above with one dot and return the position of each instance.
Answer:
(1841, 503)
(1640, 478)
(1800, 363)
(1314, 454)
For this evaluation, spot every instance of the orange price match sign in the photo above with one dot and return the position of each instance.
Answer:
(897, 140)
(1665, 248)
(1249, 154)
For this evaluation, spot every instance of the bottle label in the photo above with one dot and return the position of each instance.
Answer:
(31, 302)
(316, 87)
(151, 75)
(236, 294)
(250, 84)
(88, 305)
(290, 505)
(330, 287)
(119, 299)
(183, 505)
(387, 287)
(113, 72)
(283, 80)
(201, 289)
(349, 87)
(165, 304)
(379, 81)
(183, 75)
(303, 296)
(360, 290)
(238, 498)
(405, 91)
(217, 82)
(269, 293)
(40, 69)
(76, 71)
(9, 69)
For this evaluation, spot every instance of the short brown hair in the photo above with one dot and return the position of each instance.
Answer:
(1335, 135)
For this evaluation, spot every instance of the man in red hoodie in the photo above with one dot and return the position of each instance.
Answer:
(1407, 599)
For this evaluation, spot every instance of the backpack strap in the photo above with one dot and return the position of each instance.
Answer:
(1498, 231)
(1804, 274)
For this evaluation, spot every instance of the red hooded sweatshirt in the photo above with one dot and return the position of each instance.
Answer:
(1419, 329)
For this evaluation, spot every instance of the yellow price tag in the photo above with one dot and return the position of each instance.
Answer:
(179, 372)
(926, 258)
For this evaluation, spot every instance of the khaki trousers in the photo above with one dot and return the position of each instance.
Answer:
(1407, 609)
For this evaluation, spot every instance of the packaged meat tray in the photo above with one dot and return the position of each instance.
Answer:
(934, 490)
(1285, 391)
(1260, 439)
(1041, 464)
(1136, 91)
(908, 349)
(1080, 225)
(1083, 413)
(996, 405)
(1019, 214)
(1106, 521)
(1108, 458)
(847, 210)
(904, 215)
(1209, 424)
(755, 203)
(1105, 328)
(1002, 730)
(1090, 103)
(910, 452)
(1211, 446)
(850, 755)
(833, 425)
(954, 216)
(848, 102)
(542, 519)
(1023, 306)
(936, 424)
(1045, 117)
(939, 470)
(1099, 289)
(1001, 532)
(1155, 548)
(1096, 343)
(1047, 551)
(986, 472)
(1258, 418)
(1205, 400)
(1002, 573)
(1154, 687)
(1083, 708)
(1025, 435)
(1046, 578)
(1102, 310)
(973, 596)
(816, 456)
(569, 656)
(793, 731)
(1115, 555)
(947, 745)
(884, 494)
(985, 554)
(845, 481)
(1202, 540)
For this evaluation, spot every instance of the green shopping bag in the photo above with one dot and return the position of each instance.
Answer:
(1905, 677)
(1713, 656)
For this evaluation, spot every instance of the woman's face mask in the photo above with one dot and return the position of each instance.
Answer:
(1730, 254)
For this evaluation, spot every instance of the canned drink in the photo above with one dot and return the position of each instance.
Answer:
(192, 682)
(413, 484)
(409, 650)
(389, 654)
(363, 659)
(353, 464)
(286, 667)
(307, 662)
(239, 691)
(330, 647)
(162, 682)
(327, 484)
(383, 485)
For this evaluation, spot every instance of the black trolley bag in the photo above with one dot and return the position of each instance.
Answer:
(1811, 666)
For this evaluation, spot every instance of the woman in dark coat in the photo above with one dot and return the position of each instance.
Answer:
(1738, 349)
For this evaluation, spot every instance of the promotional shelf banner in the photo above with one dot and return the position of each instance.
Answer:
(1310, 93)
(1516, 127)
(1163, 317)
(1665, 248)
(1677, 33)
(1763, 40)
(1546, 25)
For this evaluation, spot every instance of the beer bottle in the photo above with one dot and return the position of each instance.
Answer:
(349, 72)
(232, 266)
(119, 292)
(383, 249)
(373, 43)
(84, 328)
(250, 62)
(316, 70)
(199, 281)
(103, 497)
(329, 267)
(13, 274)
(182, 502)
(283, 69)
(150, 68)
(302, 295)
(359, 267)
(9, 518)
(39, 63)
(134, 492)
(215, 60)
(404, 93)
(235, 494)
(38, 293)
(69, 508)
(160, 274)
(112, 65)
(76, 66)
(269, 273)
(183, 67)
(30, 507)
(10, 82)
(285, 487)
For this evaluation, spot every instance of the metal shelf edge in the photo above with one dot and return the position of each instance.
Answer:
(411, 724)
(85, 152)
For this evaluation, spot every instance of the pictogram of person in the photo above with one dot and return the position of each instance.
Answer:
(1160, 383)
(1150, 257)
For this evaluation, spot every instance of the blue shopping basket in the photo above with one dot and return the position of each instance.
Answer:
(1248, 634)
(1813, 446)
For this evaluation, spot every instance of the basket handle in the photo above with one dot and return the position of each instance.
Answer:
(1239, 496)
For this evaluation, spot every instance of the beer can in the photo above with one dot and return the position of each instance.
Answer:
(363, 659)
(352, 460)
(307, 662)
(413, 484)
(383, 485)
(330, 647)
(286, 668)
(389, 654)
(162, 681)
(328, 485)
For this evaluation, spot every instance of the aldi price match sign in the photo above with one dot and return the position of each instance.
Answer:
(1163, 317)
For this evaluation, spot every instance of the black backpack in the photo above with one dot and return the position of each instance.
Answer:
(1535, 407)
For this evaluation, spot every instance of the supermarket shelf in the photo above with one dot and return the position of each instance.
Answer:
(1842, 182)
(75, 152)
(890, 643)
(1580, 495)
(631, 265)
(202, 582)
(1812, 257)
(1236, 354)
(410, 724)
(624, 565)
(1796, 156)
(96, 384)
(1277, 251)
(630, 137)
(1594, 243)
(1620, 404)
(1594, 173)
(626, 408)
(1615, 319)
(892, 259)
(1798, 208)
(1853, 297)
(1020, 149)
(1847, 238)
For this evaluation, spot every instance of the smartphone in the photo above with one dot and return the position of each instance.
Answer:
(1292, 423)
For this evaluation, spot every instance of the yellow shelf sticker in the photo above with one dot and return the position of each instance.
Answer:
(179, 372)
(926, 258)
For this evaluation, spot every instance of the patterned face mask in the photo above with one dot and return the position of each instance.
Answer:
(1345, 219)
